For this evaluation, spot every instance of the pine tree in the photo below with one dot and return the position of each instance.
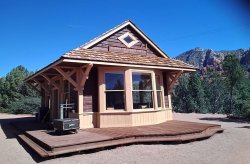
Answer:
(13, 89)
(234, 74)
(197, 93)
(214, 88)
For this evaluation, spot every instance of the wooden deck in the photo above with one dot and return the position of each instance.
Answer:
(46, 143)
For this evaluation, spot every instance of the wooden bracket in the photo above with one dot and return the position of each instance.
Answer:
(51, 80)
(85, 75)
(67, 75)
(34, 87)
(81, 75)
(172, 78)
(41, 85)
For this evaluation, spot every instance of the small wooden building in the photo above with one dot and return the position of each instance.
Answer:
(120, 78)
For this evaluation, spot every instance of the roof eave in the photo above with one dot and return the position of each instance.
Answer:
(70, 60)
(58, 61)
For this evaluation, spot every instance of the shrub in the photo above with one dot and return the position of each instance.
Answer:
(25, 105)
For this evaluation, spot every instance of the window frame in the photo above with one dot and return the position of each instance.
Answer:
(153, 89)
(128, 87)
(161, 90)
(128, 34)
(105, 90)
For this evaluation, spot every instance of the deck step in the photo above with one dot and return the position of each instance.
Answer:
(37, 148)
(46, 145)
(104, 144)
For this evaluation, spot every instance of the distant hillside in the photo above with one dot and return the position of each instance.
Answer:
(205, 58)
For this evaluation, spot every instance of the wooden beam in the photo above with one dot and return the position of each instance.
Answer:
(66, 76)
(34, 87)
(51, 80)
(72, 72)
(41, 85)
(171, 76)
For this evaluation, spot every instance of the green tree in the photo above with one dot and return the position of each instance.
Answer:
(188, 96)
(234, 74)
(197, 93)
(181, 96)
(13, 89)
(214, 88)
(242, 99)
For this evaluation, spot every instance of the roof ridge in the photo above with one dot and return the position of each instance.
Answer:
(106, 32)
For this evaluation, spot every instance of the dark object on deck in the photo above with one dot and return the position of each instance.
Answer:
(66, 124)
(43, 114)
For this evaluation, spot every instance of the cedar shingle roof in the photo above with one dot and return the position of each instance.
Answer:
(124, 58)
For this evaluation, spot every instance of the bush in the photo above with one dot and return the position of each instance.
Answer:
(244, 111)
(25, 105)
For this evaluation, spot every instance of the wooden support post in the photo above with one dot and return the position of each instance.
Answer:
(101, 90)
(128, 91)
(80, 101)
(60, 97)
(154, 92)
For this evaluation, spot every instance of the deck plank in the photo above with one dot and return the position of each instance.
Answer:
(170, 131)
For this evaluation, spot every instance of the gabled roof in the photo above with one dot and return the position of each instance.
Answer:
(119, 27)
(83, 55)
(124, 58)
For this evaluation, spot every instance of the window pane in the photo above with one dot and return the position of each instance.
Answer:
(128, 39)
(158, 82)
(142, 81)
(115, 100)
(142, 99)
(159, 98)
(114, 81)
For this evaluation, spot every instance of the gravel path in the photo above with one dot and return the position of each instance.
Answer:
(230, 147)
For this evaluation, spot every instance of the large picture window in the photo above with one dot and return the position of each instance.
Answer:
(142, 90)
(114, 91)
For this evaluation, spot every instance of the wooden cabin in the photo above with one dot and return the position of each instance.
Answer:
(119, 79)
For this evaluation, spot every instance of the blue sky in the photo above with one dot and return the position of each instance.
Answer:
(35, 33)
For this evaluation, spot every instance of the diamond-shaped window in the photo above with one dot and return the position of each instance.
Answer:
(128, 39)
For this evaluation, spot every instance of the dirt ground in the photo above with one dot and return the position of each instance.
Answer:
(230, 147)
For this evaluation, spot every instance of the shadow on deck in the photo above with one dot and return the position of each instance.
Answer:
(47, 144)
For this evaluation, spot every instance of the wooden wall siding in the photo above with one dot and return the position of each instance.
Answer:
(112, 43)
(90, 92)
(88, 121)
(124, 119)
(165, 90)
